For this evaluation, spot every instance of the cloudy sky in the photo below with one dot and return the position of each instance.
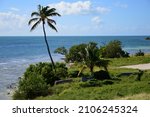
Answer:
(79, 17)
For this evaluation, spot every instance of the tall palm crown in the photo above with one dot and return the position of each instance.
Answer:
(43, 15)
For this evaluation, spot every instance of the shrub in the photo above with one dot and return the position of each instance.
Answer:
(62, 70)
(37, 78)
(61, 50)
(73, 74)
(18, 95)
(31, 87)
(76, 53)
(113, 50)
(47, 72)
(101, 75)
(139, 53)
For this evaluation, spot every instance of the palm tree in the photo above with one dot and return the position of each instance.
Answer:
(43, 15)
(92, 57)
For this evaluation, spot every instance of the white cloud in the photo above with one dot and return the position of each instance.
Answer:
(14, 9)
(102, 10)
(96, 20)
(11, 21)
(79, 7)
(121, 5)
(66, 8)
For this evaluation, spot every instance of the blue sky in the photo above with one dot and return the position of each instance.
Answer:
(79, 17)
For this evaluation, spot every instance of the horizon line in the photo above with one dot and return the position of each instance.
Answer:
(66, 35)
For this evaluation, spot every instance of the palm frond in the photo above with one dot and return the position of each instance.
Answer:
(39, 8)
(32, 20)
(45, 8)
(54, 14)
(52, 21)
(51, 10)
(35, 25)
(35, 14)
(51, 26)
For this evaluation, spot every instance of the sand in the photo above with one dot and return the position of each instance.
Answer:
(139, 66)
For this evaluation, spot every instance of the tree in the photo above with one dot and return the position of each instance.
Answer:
(61, 50)
(43, 15)
(76, 53)
(92, 57)
(113, 50)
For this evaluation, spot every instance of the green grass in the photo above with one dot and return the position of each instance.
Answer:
(130, 61)
(141, 96)
(124, 87)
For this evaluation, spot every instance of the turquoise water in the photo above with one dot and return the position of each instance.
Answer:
(16, 53)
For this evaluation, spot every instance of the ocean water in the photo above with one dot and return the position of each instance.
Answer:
(16, 53)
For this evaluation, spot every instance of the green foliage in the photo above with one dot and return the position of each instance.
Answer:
(91, 83)
(73, 73)
(101, 75)
(61, 70)
(133, 60)
(18, 95)
(76, 53)
(126, 86)
(31, 87)
(113, 50)
(139, 53)
(61, 50)
(91, 55)
(47, 72)
(37, 78)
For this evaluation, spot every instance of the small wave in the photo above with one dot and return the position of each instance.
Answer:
(3, 63)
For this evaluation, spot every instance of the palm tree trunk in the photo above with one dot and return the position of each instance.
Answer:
(48, 49)
(82, 69)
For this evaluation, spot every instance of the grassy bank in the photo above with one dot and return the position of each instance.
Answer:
(133, 60)
(123, 87)
(117, 83)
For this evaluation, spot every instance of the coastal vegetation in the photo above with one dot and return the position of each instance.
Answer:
(147, 38)
(113, 50)
(92, 77)
(38, 78)
(139, 53)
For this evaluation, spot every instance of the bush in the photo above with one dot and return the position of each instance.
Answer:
(73, 74)
(61, 70)
(47, 72)
(139, 53)
(31, 87)
(101, 75)
(18, 95)
(61, 50)
(76, 53)
(113, 50)
(37, 78)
